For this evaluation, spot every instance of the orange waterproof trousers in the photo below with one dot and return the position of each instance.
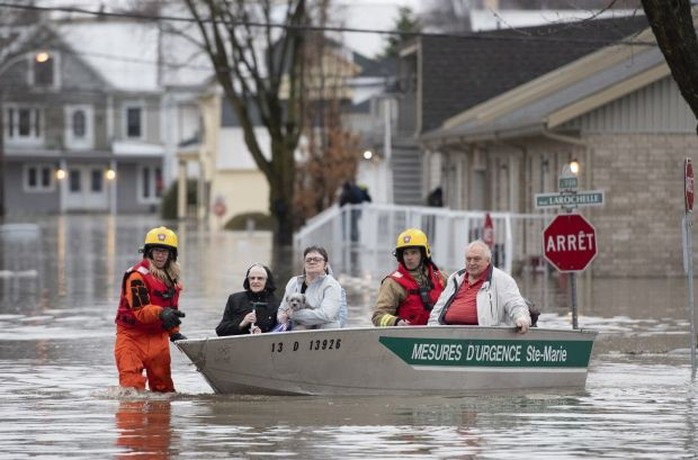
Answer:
(137, 351)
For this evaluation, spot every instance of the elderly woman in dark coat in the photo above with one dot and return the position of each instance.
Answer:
(253, 310)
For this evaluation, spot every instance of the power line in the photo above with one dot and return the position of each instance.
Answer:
(466, 36)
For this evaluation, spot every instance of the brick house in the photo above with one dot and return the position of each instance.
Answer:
(617, 111)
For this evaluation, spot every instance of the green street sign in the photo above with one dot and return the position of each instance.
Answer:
(567, 183)
(568, 200)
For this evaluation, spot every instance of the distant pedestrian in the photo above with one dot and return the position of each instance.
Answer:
(352, 194)
(365, 196)
(436, 198)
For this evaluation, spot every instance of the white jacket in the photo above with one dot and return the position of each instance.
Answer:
(499, 301)
(323, 295)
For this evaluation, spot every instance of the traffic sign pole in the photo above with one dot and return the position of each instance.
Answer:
(573, 290)
(569, 240)
(689, 190)
(688, 229)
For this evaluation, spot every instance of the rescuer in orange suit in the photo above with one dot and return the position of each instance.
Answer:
(148, 316)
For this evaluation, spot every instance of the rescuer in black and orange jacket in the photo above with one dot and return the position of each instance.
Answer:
(407, 295)
(148, 315)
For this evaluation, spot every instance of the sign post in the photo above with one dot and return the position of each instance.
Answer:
(569, 244)
(569, 240)
(688, 193)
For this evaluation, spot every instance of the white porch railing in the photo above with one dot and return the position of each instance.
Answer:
(366, 249)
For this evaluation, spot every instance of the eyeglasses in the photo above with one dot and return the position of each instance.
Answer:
(312, 260)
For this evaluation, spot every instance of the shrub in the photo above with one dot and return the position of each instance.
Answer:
(261, 221)
(168, 206)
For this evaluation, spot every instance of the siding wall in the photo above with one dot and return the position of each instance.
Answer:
(657, 108)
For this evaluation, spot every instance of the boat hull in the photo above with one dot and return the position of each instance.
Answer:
(393, 361)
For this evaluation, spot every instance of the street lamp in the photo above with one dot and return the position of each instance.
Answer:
(574, 167)
(41, 56)
(571, 169)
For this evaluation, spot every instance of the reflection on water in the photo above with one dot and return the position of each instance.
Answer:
(144, 429)
(58, 293)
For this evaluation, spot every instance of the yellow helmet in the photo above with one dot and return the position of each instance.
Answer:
(412, 238)
(161, 237)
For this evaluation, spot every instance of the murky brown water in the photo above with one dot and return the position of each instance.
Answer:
(58, 382)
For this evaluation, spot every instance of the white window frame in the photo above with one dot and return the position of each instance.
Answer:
(152, 191)
(40, 188)
(11, 117)
(31, 74)
(75, 143)
(133, 105)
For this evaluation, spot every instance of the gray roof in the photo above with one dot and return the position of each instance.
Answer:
(530, 118)
(381, 67)
(461, 72)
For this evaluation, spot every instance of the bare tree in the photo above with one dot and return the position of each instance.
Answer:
(258, 62)
(329, 153)
(672, 25)
(330, 160)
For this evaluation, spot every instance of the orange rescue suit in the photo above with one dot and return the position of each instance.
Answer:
(141, 342)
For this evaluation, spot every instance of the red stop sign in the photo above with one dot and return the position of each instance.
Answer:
(569, 242)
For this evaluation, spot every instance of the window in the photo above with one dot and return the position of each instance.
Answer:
(97, 180)
(134, 122)
(38, 178)
(23, 123)
(150, 184)
(79, 128)
(43, 72)
(74, 181)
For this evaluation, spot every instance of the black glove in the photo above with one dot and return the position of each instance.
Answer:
(170, 318)
(177, 336)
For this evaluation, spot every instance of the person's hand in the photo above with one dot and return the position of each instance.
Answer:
(170, 318)
(177, 336)
(249, 318)
(284, 316)
(522, 325)
(403, 322)
(255, 330)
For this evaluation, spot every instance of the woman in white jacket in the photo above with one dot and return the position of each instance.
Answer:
(323, 294)
(496, 301)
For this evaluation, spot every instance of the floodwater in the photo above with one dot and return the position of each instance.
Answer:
(59, 284)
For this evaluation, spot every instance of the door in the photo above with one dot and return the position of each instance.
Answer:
(86, 188)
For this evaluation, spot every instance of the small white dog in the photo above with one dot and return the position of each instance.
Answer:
(296, 301)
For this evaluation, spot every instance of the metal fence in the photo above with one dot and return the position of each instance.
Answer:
(362, 237)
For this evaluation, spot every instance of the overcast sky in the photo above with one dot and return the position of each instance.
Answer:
(359, 14)
(373, 15)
